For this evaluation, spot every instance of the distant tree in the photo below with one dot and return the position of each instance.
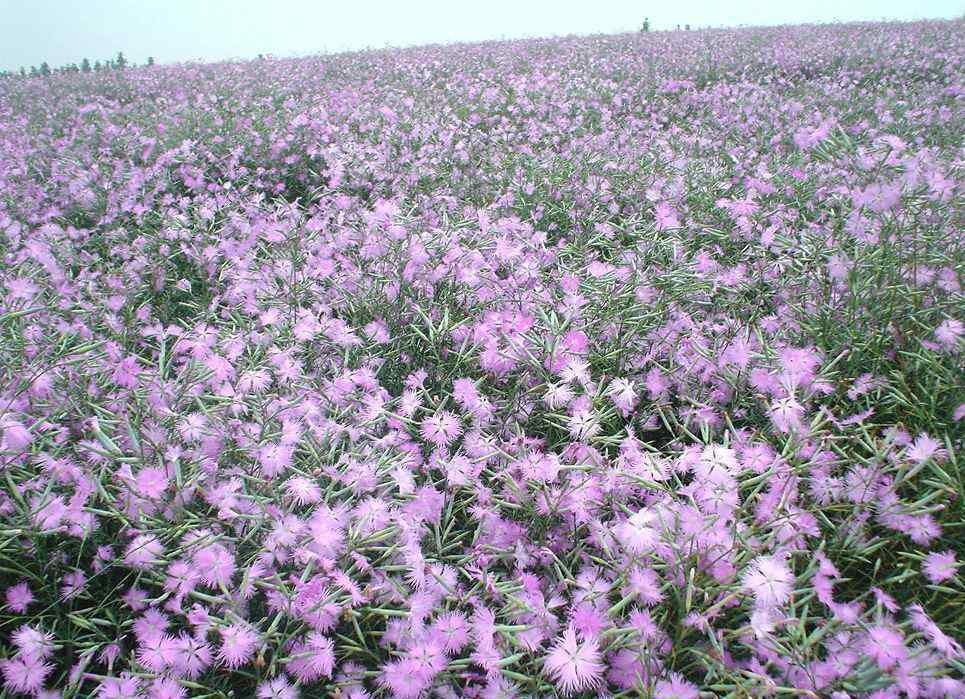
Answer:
(44, 68)
(120, 62)
(687, 27)
(85, 66)
(23, 72)
(97, 65)
(34, 72)
(646, 25)
(150, 60)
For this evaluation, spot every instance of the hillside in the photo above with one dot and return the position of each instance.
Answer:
(606, 366)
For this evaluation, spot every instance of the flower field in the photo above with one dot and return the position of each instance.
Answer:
(614, 366)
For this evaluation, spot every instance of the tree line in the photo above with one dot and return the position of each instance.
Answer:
(118, 62)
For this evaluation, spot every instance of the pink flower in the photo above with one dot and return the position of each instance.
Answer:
(885, 645)
(465, 393)
(14, 437)
(109, 654)
(166, 688)
(144, 552)
(657, 384)
(623, 395)
(158, 652)
(181, 578)
(638, 534)
(441, 429)
(940, 566)
(404, 679)
(924, 448)
(922, 529)
(884, 599)
(949, 332)
(558, 395)
(193, 656)
(302, 490)
(574, 666)
(125, 373)
(238, 643)
(215, 565)
(192, 427)
(458, 470)
(32, 642)
(799, 365)
(19, 597)
(644, 583)
(665, 216)
(124, 687)
(627, 668)
(278, 688)
(787, 415)
(151, 623)
(327, 534)
(151, 482)
(312, 658)
(429, 658)
(24, 673)
(763, 622)
(588, 620)
(275, 459)
(769, 580)
(452, 629)
(377, 331)
(583, 424)
(575, 342)
(946, 645)
(675, 687)
(21, 288)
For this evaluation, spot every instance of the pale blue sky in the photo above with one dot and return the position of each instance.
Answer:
(65, 31)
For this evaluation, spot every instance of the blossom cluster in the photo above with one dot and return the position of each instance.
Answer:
(602, 366)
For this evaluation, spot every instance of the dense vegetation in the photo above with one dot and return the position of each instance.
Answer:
(612, 366)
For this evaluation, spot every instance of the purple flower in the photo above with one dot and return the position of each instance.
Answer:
(574, 666)
(940, 566)
(675, 687)
(25, 673)
(769, 580)
(885, 646)
(19, 597)
(238, 644)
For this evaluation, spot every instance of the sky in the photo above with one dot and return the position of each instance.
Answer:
(65, 31)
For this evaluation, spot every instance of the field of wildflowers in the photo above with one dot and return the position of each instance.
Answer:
(615, 366)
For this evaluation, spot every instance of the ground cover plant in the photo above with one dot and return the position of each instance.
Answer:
(608, 366)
